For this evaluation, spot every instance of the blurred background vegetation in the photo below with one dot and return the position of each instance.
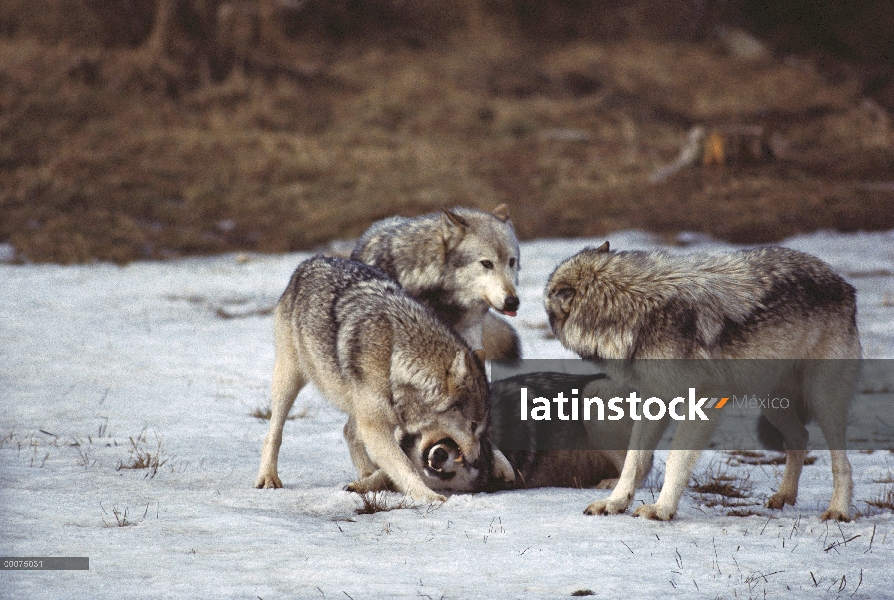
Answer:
(145, 129)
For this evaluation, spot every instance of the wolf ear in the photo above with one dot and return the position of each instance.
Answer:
(453, 228)
(458, 371)
(454, 219)
(501, 212)
(603, 247)
(563, 294)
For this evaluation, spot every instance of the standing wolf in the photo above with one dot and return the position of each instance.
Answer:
(766, 303)
(461, 263)
(382, 357)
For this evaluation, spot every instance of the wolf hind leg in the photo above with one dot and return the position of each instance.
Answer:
(790, 424)
(287, 382)
(829, 392)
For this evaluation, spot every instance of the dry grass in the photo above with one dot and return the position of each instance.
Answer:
(721, 482)
(720, 486)
(143, 457)
(101, 158)
(375, 502)
(885, 500)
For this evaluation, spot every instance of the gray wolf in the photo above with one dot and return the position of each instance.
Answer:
(461, 263)
(558, 454)
(765, 303)
(382, 357)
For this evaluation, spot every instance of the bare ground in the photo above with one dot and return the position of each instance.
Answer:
(104, 155)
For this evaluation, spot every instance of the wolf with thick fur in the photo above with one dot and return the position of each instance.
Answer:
(558, 453)
(382, 357)
(461, 263)
(765, 303)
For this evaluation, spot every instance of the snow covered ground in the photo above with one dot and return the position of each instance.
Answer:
(104, 366)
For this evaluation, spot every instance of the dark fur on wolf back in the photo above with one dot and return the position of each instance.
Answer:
(526, 443)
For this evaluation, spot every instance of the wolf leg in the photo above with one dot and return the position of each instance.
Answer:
(794, 435)
(636, 466)
(287, 382)
(378, 439)
(788, 487)
(637, 463)
(376, 482)
(365, 466)
(829, 390)
(690, 438)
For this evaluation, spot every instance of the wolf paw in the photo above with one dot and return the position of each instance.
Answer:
(605, 507)
(357, 487)
(268, 481)
(835, 515)
(778, 501)
(654, 512)
(429, 498)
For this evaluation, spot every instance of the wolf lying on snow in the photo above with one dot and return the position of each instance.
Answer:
(382, 357)
(543, 454)
(460, 262)
(766, 303)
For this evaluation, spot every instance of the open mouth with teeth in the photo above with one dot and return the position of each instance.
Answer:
(441, 459)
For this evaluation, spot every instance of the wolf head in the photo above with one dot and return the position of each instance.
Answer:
(481, 258)
(445, 426)
(443, 467)
(582, 306)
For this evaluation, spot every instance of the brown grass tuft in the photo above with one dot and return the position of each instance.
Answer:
(375, 502)
(150, 459)
(884, 501)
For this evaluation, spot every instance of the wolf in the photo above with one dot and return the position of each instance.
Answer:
(764, 303)
(461, 263)
(382, 357)
(555, 454)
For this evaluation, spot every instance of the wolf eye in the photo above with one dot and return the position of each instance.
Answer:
(487, 264)
(511, 262)
(474, 426)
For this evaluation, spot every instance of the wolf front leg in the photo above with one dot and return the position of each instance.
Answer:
(378, 439)
(637, 463)
(690, 438)
(287, 382)
(376, 482)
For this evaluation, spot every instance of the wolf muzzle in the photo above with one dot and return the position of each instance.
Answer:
(510, 306)
(442, 458)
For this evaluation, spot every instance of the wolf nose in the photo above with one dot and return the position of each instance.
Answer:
(510, 304)
(438, 457)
